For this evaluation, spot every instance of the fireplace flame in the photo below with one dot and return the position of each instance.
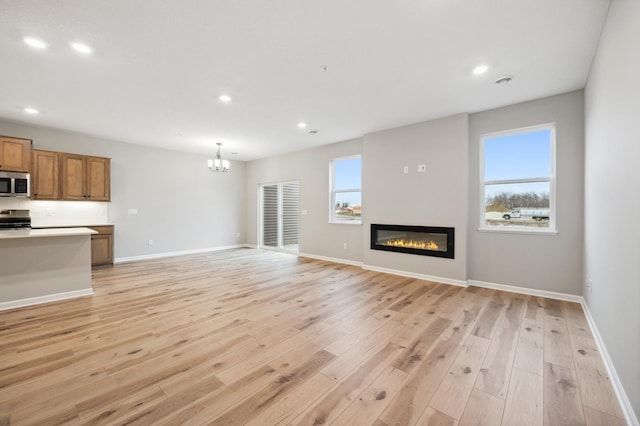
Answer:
(401, 242)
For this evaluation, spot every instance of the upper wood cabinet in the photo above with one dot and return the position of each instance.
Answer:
(73, 176)
(15, 154)
(45, 175)
(85, 178)
(98, 179)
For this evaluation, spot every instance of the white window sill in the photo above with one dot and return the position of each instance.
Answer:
(517, 230)
(352, 222)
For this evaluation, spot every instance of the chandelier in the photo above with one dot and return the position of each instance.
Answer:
(218, 164)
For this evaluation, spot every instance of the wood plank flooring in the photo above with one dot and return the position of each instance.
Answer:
(249, 337)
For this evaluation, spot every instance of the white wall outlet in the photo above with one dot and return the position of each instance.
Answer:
(422, 168)
(406, 169)
(150, 242)
(237, 235)
(345, 246)
(304, 212)
(589, 283)
(132, 211)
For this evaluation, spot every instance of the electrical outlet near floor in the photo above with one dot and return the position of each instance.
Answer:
(150, 242)
(345, 246)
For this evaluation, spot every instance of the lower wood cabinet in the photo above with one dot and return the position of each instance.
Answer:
(102, 245)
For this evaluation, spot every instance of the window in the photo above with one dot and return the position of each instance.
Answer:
(517, 185)
(346, 177)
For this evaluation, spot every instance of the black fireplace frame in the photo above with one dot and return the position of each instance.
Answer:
(450, 232)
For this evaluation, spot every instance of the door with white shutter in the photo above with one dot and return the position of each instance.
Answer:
(279, 221)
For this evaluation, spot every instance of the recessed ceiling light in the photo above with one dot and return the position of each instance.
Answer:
(81, 47)
(30, 110)
(225, 98)
(504, 80)
(35, 42)
(480, 69)
(302, 124)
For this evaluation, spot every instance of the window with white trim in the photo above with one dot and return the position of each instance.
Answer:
(517, 184)
(346, 194)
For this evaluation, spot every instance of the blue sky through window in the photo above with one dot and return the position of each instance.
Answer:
(518, 156)
(348, 175)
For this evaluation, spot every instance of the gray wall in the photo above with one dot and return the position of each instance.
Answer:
(181, 204)
(612, 192)
(437, 197)
(541, 262)
(311, 169)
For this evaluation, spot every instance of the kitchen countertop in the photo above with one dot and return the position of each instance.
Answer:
(75, 225)
(41, 233)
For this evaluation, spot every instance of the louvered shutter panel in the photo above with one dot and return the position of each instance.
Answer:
(290, 203)
(270, 215)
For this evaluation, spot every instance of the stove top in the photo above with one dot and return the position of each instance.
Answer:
(15, 219)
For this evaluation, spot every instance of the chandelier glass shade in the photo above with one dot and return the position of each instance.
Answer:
(218, 165)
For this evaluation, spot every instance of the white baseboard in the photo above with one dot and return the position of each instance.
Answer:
(45, 299)
(443, 280)
(625, 404)
(528, 291)
(175, 253)
(310, 256)
(331, 259)
(385, 270)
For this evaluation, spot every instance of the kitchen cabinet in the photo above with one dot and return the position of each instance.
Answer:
(102, 245)
(45, 175)
(15, 154)
(85, 178)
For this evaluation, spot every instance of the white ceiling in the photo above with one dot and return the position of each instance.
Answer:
(346, 67)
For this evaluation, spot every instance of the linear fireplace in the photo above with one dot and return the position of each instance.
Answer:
(423, 240)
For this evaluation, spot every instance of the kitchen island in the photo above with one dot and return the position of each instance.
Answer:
(43, 265)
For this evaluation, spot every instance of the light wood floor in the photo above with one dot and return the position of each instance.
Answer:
(258, 338)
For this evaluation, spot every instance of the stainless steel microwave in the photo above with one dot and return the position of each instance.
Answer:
(13, 184)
